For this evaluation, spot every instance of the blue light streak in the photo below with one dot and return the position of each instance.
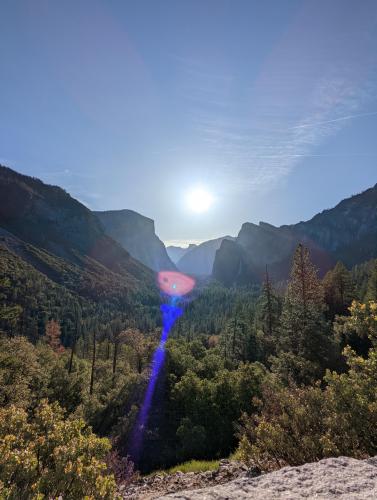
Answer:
(170, 313)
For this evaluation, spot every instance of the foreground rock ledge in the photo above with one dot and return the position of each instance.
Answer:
(344, 478)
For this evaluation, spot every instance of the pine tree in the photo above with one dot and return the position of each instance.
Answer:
(116, 328)
(268, 307)
(93, 361)
(53, 335)
(76, 334)
(303, 327)
(372, 284)
(339, 290)
(234, 339)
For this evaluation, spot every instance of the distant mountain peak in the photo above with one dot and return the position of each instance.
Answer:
(136, 233)
(199, 259)
(347, 232)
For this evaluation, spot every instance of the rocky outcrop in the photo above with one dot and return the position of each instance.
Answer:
(137, 235)
(159, 484)
(199, 260)
(348, 232)
(341, 478)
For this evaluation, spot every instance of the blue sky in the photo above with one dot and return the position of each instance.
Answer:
(271, 106)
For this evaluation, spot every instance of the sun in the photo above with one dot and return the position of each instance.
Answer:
(199, 200)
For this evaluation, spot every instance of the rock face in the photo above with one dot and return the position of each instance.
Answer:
(137, 235)
(176, 253)
(340, 478)
(158, 484)
(199, 260)
(347, 232)
(49, 218)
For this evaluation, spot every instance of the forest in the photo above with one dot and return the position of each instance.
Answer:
(282, 373)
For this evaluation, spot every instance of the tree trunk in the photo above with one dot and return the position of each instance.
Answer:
(115, 354)
(269, 305)
(73, 350)
(93, 365)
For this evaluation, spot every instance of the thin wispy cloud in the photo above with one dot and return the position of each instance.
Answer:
(349, 117)
(303, 94)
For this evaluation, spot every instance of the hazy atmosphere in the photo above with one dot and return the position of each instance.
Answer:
(188, 249)
(269, 108)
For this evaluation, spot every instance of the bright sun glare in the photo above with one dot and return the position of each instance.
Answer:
(199, 200)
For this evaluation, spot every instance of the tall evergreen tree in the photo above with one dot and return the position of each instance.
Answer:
(303, 328)
(372, 284)
(234, 339)
(76, 334)
(339, 290)
(268, 307)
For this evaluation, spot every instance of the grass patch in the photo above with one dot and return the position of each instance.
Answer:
(190, 466)
(236, 456)
(195, 466)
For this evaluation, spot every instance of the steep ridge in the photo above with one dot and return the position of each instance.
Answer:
(90, 280)
(49, 218)
(199, 259)
(136, 234)
(347, 232)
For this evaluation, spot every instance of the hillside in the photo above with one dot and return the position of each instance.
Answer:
(347, 232)
(50, 239)
(136, 234)
(48, 217)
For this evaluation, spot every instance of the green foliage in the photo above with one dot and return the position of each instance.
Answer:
(75, 297)
(269, 308)
(371, 293)
(195, 466)
(232, 353)
(362, 320)
(211, 307)
(304, 332)
(45, 456)
(206, 403)
(298, 425)
(29, 373)
(339, 290)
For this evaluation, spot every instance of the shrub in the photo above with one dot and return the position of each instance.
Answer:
(298, 425)
(47, 456)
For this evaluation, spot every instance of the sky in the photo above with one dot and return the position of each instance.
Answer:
(270, 107)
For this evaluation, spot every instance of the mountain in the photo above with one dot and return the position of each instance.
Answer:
(49, 219)
(199, 259)
(176, 253)
(137, 235)
(347, 232)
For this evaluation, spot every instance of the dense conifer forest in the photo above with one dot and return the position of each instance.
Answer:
(277, 374)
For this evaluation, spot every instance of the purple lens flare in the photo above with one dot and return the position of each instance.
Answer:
(175, 285)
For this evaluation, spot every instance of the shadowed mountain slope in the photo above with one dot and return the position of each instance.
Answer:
(347, 232)
(137, 235)
(49, 218)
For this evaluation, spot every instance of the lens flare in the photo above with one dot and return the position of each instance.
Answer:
(175, 285)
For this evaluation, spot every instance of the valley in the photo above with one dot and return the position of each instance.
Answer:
(79, 289)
